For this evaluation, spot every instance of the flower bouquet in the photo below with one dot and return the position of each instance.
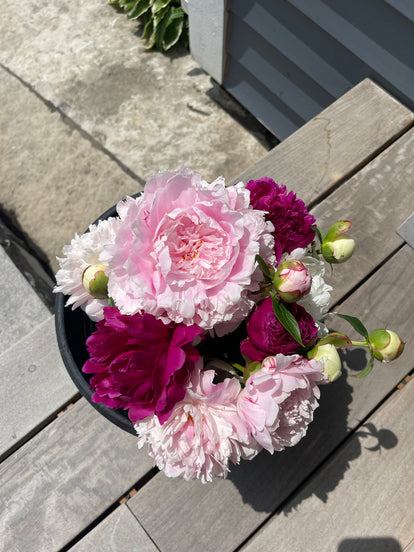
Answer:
(209, 304)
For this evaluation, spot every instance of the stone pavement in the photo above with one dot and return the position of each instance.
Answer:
(88, 115)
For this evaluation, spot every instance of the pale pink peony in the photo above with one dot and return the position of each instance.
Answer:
(83, 251)
(279, 400)
(186, 249)
(203, 434)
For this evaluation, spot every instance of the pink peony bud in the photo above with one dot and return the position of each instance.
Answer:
(95, 281)
(292, 280)
(331, 362)
(337, 247)
(385, 345)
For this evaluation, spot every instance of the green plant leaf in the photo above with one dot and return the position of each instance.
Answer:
(263, 267)
(319, 233)
(157, 5)
(173, 28)
(139, 9)
(366, 370)
(355, 323)
(287, 319)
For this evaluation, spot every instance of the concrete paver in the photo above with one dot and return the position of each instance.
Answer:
(88, 115)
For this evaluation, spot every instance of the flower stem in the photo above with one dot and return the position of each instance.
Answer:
(360, 343)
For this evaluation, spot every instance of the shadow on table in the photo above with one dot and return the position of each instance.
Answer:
(269, 481)
(370, 544)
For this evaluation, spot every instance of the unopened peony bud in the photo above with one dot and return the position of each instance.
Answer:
(337, 247)
(385, 345)
(95, 281)
(292, 280)
(331, 362)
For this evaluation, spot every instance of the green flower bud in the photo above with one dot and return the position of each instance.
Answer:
(337, 247)
(385, 345)
(95, 281)
(328, 354)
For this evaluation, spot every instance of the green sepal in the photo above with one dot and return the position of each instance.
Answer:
(111, 302)
(263, 267)
(287, 319)
(366, 370)
(355, 323)
(338, 340)
(251, 369)
(337, 229)
(319, 233)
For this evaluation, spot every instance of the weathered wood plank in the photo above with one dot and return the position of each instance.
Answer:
(64, 478)
(119, 532)
(34, 387)
(371, 502)
(406, 230)
(377, 200)
(179, 515)
(17, 316)
(335, 144)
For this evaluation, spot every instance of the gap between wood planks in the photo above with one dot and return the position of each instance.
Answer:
(359, 166)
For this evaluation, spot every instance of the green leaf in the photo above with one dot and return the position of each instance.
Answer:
(340, 341)
(366, 370)
(287, 319)
(355, 323)
(173, 28)
(263, 267)
(158, 5)
(139, 9)
(319, 233)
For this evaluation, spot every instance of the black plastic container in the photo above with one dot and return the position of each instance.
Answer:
(73, 327)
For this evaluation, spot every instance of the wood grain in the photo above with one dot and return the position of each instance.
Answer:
(179, 516)
(63, 478)
(372, 503)
(34, 387)
(335, 144)
(377, 200)
(119, 532)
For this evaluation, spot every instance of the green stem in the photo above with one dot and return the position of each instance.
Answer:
(360, 343)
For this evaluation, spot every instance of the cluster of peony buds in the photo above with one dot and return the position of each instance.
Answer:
(291, 281)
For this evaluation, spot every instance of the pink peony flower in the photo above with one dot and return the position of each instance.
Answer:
(186, 251)
(266, 336)
(288, 214)
(139, 363)
(279, 400)
(203, 434)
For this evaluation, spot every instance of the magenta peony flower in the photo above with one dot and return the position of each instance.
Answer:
(278, 401)
(140, 364)
(186, 249)
(266, 336)
(288, 214)
(203, 434)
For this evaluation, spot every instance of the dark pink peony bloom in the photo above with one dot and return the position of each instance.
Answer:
(140, 364)
(267, 337)
(288, 214)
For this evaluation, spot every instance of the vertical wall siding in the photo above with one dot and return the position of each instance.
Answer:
(289, 59)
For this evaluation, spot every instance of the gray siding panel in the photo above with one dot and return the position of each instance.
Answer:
(299, 56)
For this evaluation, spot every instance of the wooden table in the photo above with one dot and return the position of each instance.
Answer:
(77, 482)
